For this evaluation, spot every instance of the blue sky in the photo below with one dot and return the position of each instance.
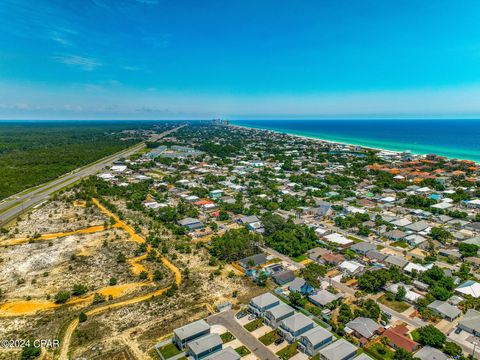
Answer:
(149, 59)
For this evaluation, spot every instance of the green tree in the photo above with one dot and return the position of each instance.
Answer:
(468, 250)
(79, 289)
(82, 317)
(30, 352)
(431, 336)
(234, 245)
(452, 349)
(440, 234)
(296, 299)
(401, 292)
(62, 297)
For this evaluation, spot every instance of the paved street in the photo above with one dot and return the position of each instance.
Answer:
(413, 322)
(18, 204)
(228, 320)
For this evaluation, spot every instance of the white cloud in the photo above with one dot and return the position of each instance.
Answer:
(82, 62)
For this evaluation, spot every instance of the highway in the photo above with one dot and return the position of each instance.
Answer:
(18, 204)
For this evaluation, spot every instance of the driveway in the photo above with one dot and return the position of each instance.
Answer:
(228, 320)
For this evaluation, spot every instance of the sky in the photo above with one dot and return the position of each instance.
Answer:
(248, 59)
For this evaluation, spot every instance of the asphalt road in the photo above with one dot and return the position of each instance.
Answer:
(18, 204)
(227, 319)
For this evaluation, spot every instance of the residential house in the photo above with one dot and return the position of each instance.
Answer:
(398, 338)
(316, 253)
(418, 226)
(216, 194)
(226, 354)
(338, 350)
(470, 322)
(294, 326)
(323, 208)
(191, 224)
(376, 256)
(332, 259)
(324, 297)
(415, 239)
(245, 220)
(204, 346)
(301, 286)
(363, 327)
(314, 339)
(190, 332)
(429, 353)
(395, 235)
(261, 303)
(283, 277)
(277, 314)
(417, 267)
(351, 267)
(469, 287)
(445, 310)
(253, 261)
(338, 240)
(363, 247)
(410, 296)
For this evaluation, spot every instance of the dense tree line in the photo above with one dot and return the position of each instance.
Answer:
(34, 153)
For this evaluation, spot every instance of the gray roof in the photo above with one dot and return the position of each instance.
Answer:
(264, 300)
(324, 297)
(296, 322)
(296, 284)
(191, 329)
(444, 308)
(205, 343)
(280, 310)
(284, 276)
(474, 241)
(338, 350)
(257, 259)
(362, 357)
(317, 335)
(363, 247)
(418, 226)
(429, 353)
(395, 234)
(376, 255)
(471, 320)
(188, 221)
(226, 354)
(397, 261)
(364, 326)
(249, 219)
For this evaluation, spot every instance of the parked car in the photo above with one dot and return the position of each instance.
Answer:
(279, 341)
(251, 317)
(458, 330)
(241, 314)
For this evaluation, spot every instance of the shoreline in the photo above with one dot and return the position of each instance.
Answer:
(284, 132)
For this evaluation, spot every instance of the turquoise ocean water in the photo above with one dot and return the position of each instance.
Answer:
(453, 138)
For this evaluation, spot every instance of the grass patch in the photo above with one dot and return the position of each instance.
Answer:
(354, 239)
(169, 351)
(300, 258)
(379, 351)
(288, 351)
(269, 338)
(227, 337)
(242, 351)
(254, 325)
(415, 335)
(400, 243)
(399, 306)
